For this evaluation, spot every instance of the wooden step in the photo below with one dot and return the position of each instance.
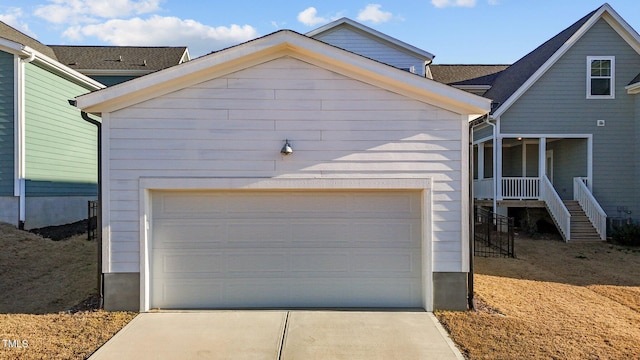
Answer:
(581, 227)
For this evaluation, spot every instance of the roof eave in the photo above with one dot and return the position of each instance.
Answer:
(633, 89)
(26, 52)
(108, 72)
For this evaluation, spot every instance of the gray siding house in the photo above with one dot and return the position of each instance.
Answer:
(563, 131)
(363, 40)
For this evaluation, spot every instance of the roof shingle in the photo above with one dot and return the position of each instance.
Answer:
(466, 74)
(84, 58)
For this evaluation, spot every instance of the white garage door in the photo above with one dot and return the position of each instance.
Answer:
(279, 249)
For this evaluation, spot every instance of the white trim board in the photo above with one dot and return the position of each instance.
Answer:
(147, 185)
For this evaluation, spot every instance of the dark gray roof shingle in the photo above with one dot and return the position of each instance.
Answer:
(14, 35)
(635, 80)
(118, 57)
(512, 78)
(466, 74)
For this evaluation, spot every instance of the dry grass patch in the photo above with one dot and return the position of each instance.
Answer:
(43, 276)
(41, 281)
(59, 336)
(559, 301)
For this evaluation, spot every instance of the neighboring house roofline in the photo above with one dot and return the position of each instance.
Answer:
(372, 32)
(633, 88)
(88, 59)
(103, 72)
(273, 46)
(12, 34)
(606, 13)
(26, 52)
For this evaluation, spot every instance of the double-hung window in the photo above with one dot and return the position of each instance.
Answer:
(601, 77)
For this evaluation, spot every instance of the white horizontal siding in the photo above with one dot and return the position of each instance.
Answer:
(367, 46)
(235, 126)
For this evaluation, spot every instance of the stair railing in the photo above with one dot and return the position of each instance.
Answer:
(590, 205)
(556, 207)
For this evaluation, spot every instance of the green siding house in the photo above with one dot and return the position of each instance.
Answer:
(564, 129)
(48, 153)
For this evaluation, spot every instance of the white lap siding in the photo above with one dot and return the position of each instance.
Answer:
(338, 127)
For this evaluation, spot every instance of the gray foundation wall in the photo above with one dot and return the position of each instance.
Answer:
(9, 210)
(450, 291)
(122, 291)
(60, 210)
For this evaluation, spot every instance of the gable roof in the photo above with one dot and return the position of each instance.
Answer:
(12, 34)
(346, 22)
(96, 59)
(516, 79)
(634, 86)
(274, 46)
(466, 74)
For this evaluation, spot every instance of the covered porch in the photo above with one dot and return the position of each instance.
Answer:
(549, 171)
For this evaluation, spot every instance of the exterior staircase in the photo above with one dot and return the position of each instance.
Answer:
(581, 227)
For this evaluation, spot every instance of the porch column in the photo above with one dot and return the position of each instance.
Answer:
(542, 158)
(480, 163)
(497, 167)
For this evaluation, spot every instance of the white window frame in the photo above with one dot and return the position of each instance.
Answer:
(612, 59)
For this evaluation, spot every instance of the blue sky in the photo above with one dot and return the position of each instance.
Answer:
(456, 31)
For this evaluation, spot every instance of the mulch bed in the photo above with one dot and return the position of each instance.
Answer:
(61, 232)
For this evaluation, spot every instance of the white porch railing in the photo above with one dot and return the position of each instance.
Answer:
(590, 205)
(483, 188)
(556, 207)
(520, 188)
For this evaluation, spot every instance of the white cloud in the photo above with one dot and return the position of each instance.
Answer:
(12, 18)
(373, 13)
(158, 30)
(85, 11)
(309, 17)
(453, 3)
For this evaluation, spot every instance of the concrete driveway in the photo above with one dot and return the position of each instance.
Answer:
(281, 335)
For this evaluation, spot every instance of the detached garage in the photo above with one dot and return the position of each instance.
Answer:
(365, 206)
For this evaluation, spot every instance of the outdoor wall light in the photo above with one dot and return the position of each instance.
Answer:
(286, 149)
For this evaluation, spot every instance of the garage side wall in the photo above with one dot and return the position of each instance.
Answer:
(235, 126)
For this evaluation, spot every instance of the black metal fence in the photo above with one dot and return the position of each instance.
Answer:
(92, 220)
(493, 234)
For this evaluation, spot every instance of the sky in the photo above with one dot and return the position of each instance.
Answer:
(456, 31)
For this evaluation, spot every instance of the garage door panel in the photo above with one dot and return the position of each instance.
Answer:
(400, 264)
(178, 204)
(326, 249)
(196, 293)
(271, 293)
(190, 263)
(319, 264)
(257, 265)
(180, 233)
(387, 204)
